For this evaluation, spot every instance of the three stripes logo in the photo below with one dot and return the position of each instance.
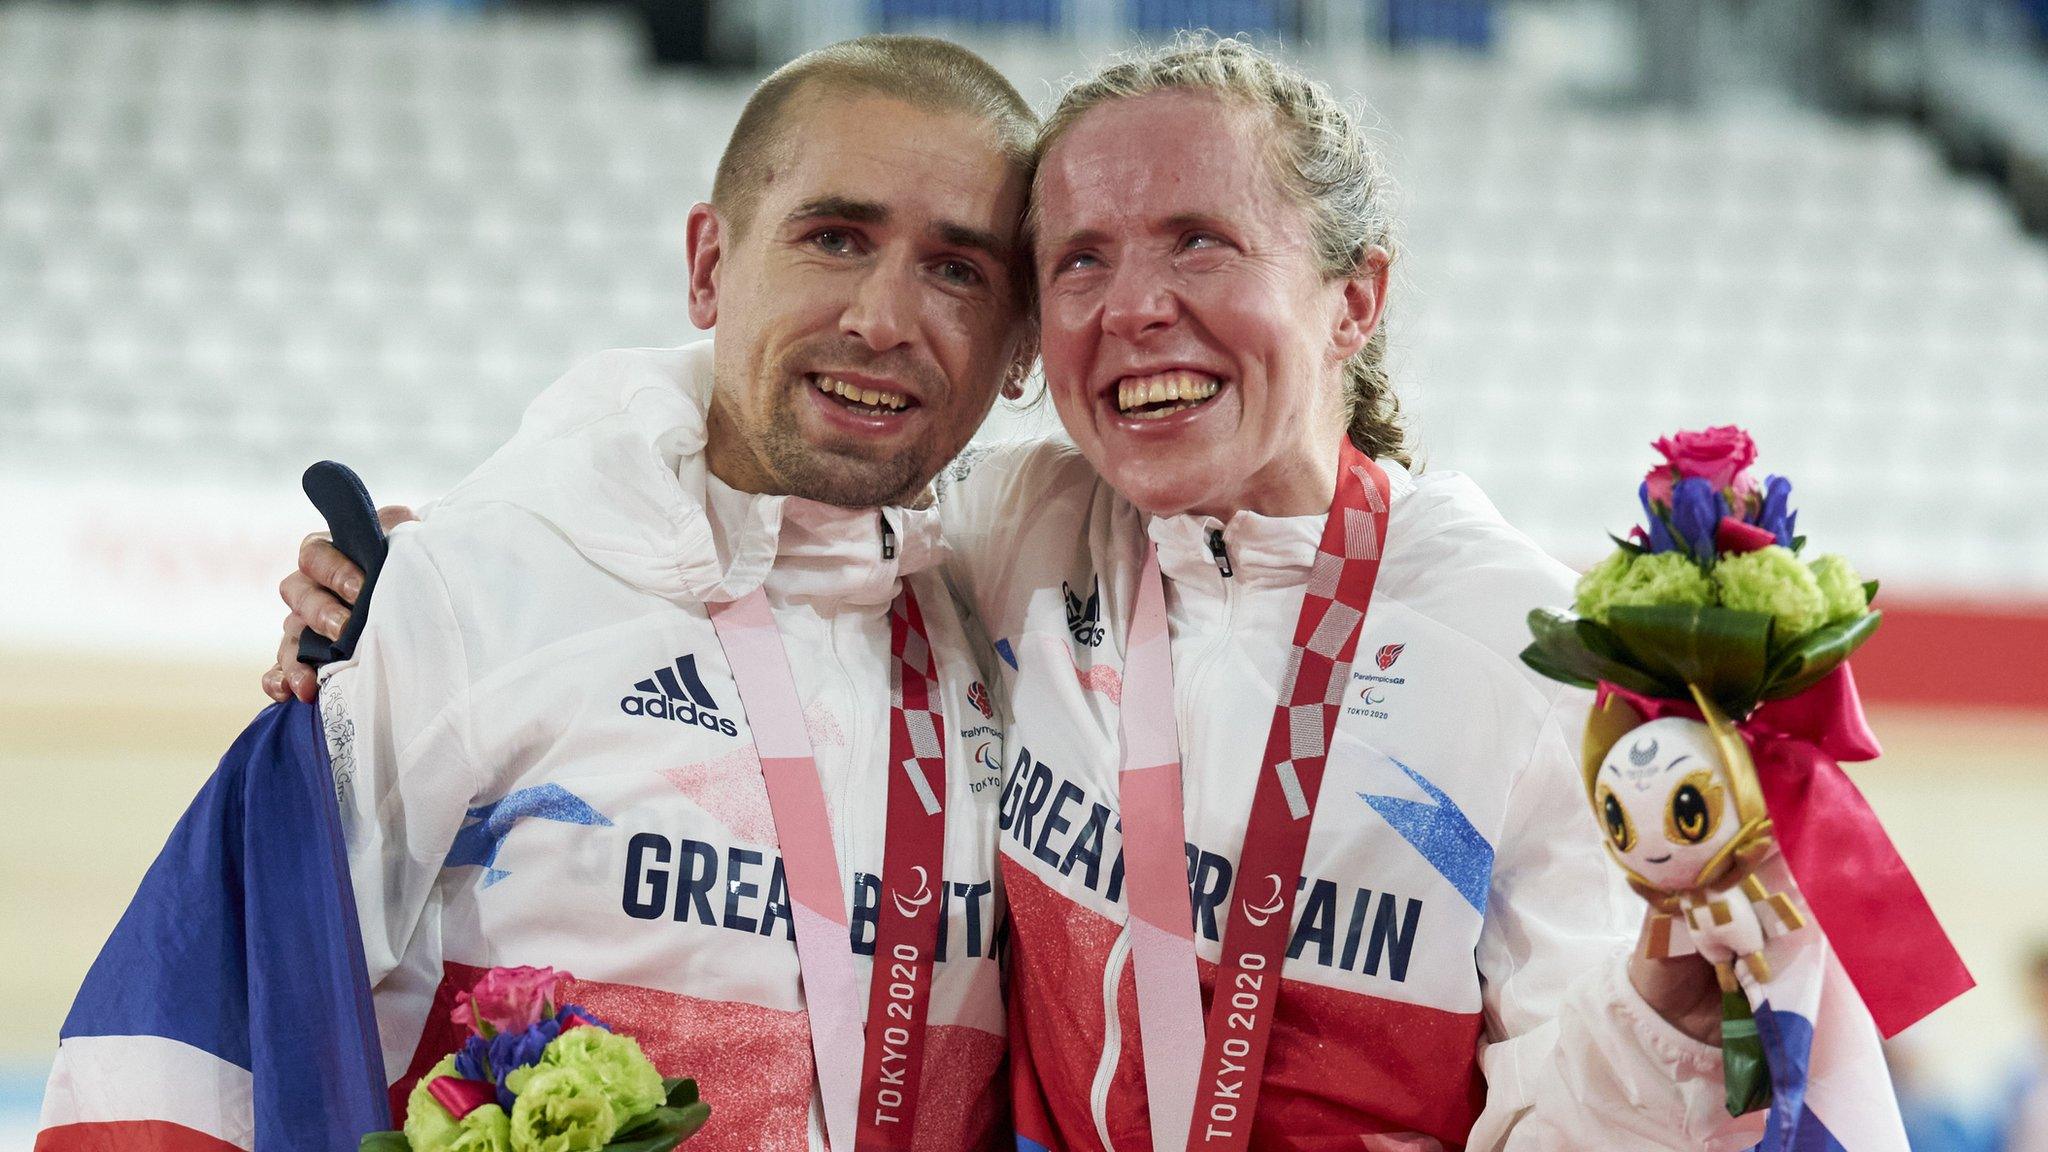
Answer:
(677, 693)
(1084, 617)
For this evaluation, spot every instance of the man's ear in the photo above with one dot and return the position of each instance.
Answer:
(1020, 364)
(704, 242)
(1364, 303)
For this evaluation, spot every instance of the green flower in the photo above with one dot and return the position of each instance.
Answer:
(1773, 581)
(1841, 587)
(428, 1126)
(1596, 588)
(1623, 580)
(559, 1110)
(487, 1129)
(614, 1063)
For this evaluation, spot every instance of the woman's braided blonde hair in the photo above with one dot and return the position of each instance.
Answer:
(1321, 159)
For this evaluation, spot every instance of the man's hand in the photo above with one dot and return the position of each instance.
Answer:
(1683, 990)
(319, 595)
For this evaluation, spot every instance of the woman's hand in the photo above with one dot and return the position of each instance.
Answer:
(319, 595)
(1683, 990)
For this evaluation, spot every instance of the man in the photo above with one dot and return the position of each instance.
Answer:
(541, 745)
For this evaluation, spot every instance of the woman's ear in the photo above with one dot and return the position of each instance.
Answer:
(704, 243)
(1363, 303)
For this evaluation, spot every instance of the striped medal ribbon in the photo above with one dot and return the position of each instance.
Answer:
(1202, 1086)
(868, 1085)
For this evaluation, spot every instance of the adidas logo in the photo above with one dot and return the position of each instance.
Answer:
(677, 693)
(1084, 617)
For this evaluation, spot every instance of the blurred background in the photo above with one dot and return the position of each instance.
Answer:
(236, 238)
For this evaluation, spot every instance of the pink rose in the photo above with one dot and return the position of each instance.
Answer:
(1720, 456)
(508, 1000)
(1657, 486)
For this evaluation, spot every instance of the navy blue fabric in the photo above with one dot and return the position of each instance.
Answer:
(1465, 23)
(911, 14)
(1226, 17)
(242, 941)
(1788, 1046)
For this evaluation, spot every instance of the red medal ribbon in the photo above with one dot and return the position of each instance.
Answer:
(1247, 992)
(1865, 899)
(1333, 607)
(907, 930)
(869, 1089)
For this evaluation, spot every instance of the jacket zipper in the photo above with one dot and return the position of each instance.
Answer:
(1112, 1038)
(1217, 551)
(1185, 693)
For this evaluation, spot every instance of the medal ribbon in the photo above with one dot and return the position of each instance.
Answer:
(907, 931)
(868, 1103)
(1224, 1084)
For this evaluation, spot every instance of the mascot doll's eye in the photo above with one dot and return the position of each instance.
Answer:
(1619, 830)
(1694, 811)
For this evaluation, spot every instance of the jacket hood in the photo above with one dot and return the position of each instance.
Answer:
(612, 457)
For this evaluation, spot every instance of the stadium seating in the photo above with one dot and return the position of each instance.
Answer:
(236, 238)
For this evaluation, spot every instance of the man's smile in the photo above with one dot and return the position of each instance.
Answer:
(857, 396)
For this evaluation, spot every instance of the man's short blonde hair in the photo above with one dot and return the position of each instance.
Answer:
(918, 70)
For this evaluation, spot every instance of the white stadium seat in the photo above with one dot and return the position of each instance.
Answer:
(238, 237)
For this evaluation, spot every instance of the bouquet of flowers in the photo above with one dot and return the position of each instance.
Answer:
(1713, 593)
(535, 1077)
(1712, 761)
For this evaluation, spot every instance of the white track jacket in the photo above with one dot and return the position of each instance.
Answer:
(1456, 974)
(541, 758)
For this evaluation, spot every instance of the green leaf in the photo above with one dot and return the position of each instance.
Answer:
(1745, 1072)
(655, 1140)
(1585, 652)
(645, 1124)
(1870, 591)
(679, 1092)
(1628, 546)
(1721, 650)
(1535, 658)
(1798, 544)
(661, 1129)
(384, 1142)
(1804, 662)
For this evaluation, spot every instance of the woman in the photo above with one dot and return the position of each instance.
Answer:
(1212, 243)
(1211, 240)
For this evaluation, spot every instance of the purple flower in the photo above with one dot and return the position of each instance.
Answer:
(582, 1016)
(1696, 511)
(471, 1062)
(494, 1059)
(1773, 516)
(1660, 536)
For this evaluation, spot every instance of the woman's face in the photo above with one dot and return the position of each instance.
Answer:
(1193, 346)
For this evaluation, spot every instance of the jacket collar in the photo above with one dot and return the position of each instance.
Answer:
(1262, 550)
(612, 457)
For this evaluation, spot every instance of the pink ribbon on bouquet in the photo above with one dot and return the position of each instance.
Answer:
(1866, 900)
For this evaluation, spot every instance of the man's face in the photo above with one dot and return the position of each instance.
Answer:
(868, 315)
